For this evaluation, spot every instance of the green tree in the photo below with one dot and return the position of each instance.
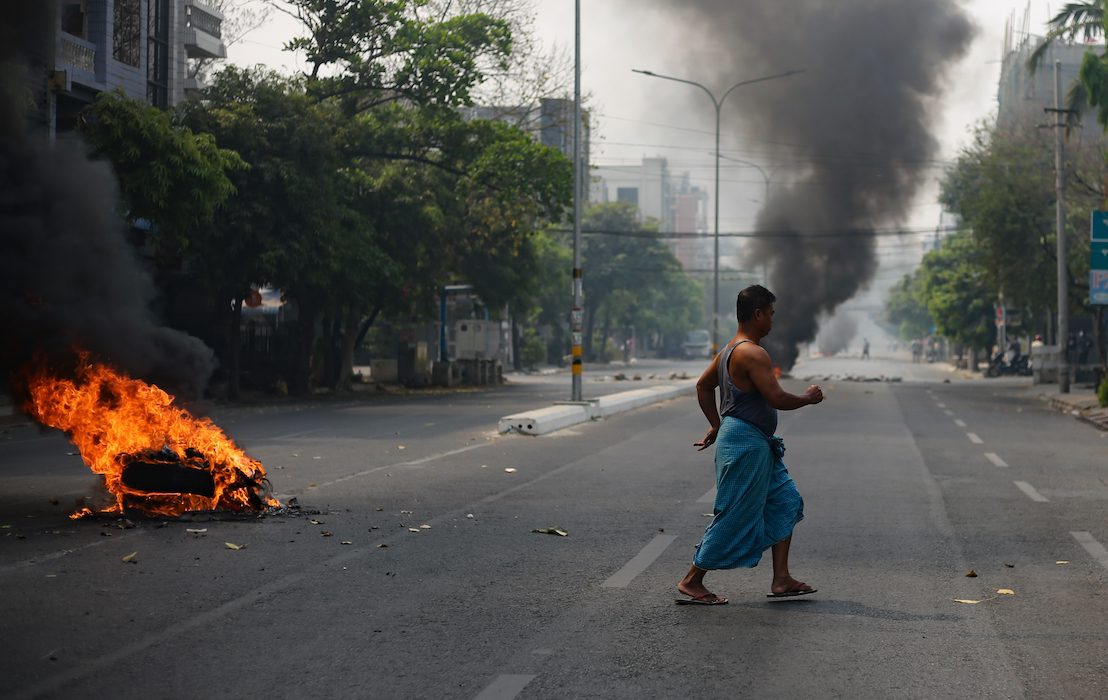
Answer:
(168, 174)
(632, 279)
(957, 292)
(906, 308)
(1084, 20)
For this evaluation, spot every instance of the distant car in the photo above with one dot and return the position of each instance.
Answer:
(697, 345)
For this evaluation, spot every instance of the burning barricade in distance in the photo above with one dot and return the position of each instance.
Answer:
(155, 457)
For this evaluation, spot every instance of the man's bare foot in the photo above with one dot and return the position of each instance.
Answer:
(697, 591)
(788, 584)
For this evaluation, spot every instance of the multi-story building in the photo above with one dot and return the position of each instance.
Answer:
(679, 207)
(141, 47)
(1023, 96)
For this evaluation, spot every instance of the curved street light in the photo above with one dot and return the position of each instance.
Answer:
(718, 104)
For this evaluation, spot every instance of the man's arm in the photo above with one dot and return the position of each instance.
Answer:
(760, 369)
(706, 397)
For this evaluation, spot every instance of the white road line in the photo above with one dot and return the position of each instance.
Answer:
(974, 439)
(299, 433)
(995, 459)
(505, 687)
(640, 562)
(709, 497)
(942, 405)
(1093, 547)
(959, 422)
(949, 412)
(1031, 492)
(398, 465)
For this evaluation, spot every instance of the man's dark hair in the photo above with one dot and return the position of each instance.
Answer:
(750, 300)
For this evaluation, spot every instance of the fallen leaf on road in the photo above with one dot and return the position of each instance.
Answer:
(413, 529)
(971, 574)
(130, 558)
(1062, 562)
(551, 531)
(326, 533)
(346, 542)
(425, 526)
(510, 470)
(232, 545)
(1005, 591)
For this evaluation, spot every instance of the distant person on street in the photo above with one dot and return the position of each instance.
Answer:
(757, 504)
(865, 348)
(917, 351)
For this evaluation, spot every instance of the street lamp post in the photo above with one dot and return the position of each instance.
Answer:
(718, 104)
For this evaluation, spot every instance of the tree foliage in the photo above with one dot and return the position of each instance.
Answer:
(906, 308)
(169, 175)
(959, 299)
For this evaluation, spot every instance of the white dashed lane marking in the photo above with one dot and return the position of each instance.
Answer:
(1096, 549)
(974, 439)
(959, 422)
(505, 687)
(995, 459)
(639, 562)
(1031, 492)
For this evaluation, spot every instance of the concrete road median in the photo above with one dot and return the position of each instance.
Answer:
(542, 421)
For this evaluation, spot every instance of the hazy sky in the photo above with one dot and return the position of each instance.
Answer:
(636, 116)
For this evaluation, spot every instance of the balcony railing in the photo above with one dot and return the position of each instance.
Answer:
(76, 53)
(202, 21)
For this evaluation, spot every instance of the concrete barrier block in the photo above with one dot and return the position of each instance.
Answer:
(544, 420)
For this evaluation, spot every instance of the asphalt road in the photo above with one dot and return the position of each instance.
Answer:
(907, 486)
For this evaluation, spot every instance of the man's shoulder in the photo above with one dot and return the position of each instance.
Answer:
(749, 350)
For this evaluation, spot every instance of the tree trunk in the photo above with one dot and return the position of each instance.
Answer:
(605, 329)
(234, 352)
(517, 359)
(351, 328)
(1101, 349)
(590, 324)
(300, 381)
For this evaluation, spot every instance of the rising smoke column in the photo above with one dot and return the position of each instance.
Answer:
(853, 131)
(68, 276)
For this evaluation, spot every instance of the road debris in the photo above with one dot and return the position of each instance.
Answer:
(313, 521)
(971, 574)
(346, 542)
(424, 526)
(130, 558)
(1005, 591)
(551, 531)
(510, 470)
(382, 546)
(326, 533)
(469, 515)
(1062, 562)
(233, 546)
(199, 532)
(413, 529)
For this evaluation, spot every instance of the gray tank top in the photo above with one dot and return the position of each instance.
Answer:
(749, 406)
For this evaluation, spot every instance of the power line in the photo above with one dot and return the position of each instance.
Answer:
(781, 234)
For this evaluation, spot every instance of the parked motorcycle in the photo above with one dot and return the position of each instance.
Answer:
(1004, 365)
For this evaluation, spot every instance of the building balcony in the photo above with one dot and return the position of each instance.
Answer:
(203, 31)
(76, 60)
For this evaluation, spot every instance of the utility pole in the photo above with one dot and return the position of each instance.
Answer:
(577, 314)
(1060, 232)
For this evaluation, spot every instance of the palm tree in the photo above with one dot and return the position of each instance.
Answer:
(1084, 19)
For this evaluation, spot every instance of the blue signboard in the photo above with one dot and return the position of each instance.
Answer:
(1098, 287)
(1100, 225)
(1099, 259)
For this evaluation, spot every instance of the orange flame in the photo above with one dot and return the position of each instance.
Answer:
(116, 421)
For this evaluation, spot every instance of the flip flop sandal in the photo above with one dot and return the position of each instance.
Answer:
(791, 594)
(708, 599)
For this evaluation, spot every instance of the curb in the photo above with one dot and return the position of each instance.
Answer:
(1082, 410)
(543, 421)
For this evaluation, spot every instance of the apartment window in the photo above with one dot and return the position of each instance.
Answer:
(157, 53)
(628, 194)
(127, 32)
(73, 18)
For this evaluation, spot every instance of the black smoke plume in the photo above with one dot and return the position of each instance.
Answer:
(69, 279)
(849, 139)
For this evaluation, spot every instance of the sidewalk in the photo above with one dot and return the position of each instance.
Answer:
(1081, 404)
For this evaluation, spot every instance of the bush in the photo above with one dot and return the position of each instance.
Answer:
(1102, 393)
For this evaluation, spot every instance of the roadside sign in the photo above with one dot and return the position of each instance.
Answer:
(1098, 287)
(1099, 260)
(1100, 225)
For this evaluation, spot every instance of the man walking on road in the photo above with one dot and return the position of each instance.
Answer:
(757, 504)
